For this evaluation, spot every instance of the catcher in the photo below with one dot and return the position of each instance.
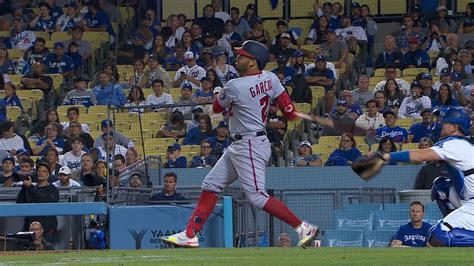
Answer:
(454, 194)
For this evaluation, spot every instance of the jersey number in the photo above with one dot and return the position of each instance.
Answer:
(264, 104)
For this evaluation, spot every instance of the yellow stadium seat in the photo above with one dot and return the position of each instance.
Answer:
(15, 78)
(58, 36)
(97, 109)
(155, 116)
(375, 80)
(185, 7)
(373, 5)
(265, 10)
(171, 74)
(96, 133)
(461, 5)
(96, 36)
(189, 156)
(15, 53)
(92, 117)
(125, 15)
(4, 33)
(29, 107)
(414, 71)
(408, 79)
(159, 142)
(332, 140)
(301, 8)
(41, 34)
(57, 81)
(303, 107)
(359, 140)
(191, 148)
(125, 72)
(390, 7)
(374, 147)
(363, 148)
(13, 113)
(136, 134)
(406, 122)
(270, 66)
(410, 146)
(380, 72)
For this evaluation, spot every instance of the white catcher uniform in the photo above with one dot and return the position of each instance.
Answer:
(458, 153)
(248, 99)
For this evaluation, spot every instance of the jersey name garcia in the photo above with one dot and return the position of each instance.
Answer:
(248, 99)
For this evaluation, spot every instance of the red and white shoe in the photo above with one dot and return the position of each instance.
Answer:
(307, 232)
(181, 240)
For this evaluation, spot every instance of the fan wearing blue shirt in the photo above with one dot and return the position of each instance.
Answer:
(287, 71)
(396, 133)
(11, 99)
(415, 57)
(420, 130)
(415, 233)
(44, 21)
(175, 159)
(108, 93)
(98, 20)
(59, 62)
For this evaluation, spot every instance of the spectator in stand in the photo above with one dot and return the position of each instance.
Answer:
(159, 97)
(391, 56)
(413, 105)
(191, 73)
(107, 92)
(281, 48)
(338, 122)
(135, 98)
(209, 23)
(81, 95)
(19, 37)
(444, 98)
(138, 73)
(120, 139)
(258, 32)
(119, 163)
(220, 141)
(346, 153)
(5, 62)
(415, 57)
(393, 94)
(110, 147)
(8, 164)
(434, 41)
(367, 123)
(426, 83)
(36, 53)
(211, 74)
(446, 60)
(38, 130)
(276, 126)
(422, 129)
(464, 67)
(306, 157)
(56, 11)
(386, 145)
(51, 140)
(348, 30)
(241, 25)
(205, 159)
(135, 180)
(44, 21)
(296, 62)
(176, 29)
(198, 111)
(72, 158)
(445, 78)
(199, 133)
(327, 10)
(230, 35)
(38, 80)
(224, 71)
(188, 45)
(408, 30)
(381, 102)
(317, 35)
(355, 14)
(10, 141)
(17, 10)
(131, 156)
(52, 160)
(174, 157)
(154, 72)
(98, 21)
(320, 75)
(446, 24)
(220, 13)
(85, 48)
(353, 109)
(428, 173)
(362, 94)
(130, 51)
(11, 99)
(70, 19)
(391, 73)
(391, 130)
(250, 13)
(158, 50)
(87, 165)
(65, 179)
(169, 189)
(205, 93)
(288, 72)
(196, 34)
(175, 127)
(369, 25)
(185, 98)
(335, 50)
(72, 115)
(43, 192)
(282, 27)
(75, 131)
(59, 62)
(415, 233)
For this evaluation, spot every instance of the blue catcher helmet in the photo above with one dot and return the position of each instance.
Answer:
(457, 116)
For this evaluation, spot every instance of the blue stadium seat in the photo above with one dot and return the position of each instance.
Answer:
(390, 220)
(378, 239)
(343, 238)
(354, 219)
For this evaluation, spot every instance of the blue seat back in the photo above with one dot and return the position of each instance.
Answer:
(353, 219)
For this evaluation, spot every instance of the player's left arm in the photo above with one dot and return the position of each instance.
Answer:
(286, 106)
(224, 98)
(422, 155)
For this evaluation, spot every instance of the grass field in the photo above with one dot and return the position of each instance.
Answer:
(249, 256)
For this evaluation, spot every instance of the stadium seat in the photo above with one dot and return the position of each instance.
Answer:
(380, 72)
(409, 146)
(354, 219)
(57, 81)
(378, 239)
(15, 78)
(125, 15)
(191, 148)
(15, 53)
(96, 36)
(97, 109)
(95, 133)
(13, 113)
(414, 71)
(170, 7)
(271, 65)
(373, 5)
(165, 142)
(390, 219)
(60, 36)
(4, 33)
(29, 107)
(375, 80)
(301, 8)
(317, 93)
(303, 107)
(125, 72)
(461, 5)
(405, 122)
(343, 238)
(390, 7)
(41, 34)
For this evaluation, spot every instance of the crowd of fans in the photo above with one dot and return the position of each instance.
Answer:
(196, 57)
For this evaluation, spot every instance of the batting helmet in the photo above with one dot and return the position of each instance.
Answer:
(457, 116)
(255, 50)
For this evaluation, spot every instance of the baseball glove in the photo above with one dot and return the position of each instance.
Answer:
(366, 166)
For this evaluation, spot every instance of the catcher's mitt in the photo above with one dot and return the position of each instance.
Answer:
(368, 166)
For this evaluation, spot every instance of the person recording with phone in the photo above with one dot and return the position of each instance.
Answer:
(42, 192)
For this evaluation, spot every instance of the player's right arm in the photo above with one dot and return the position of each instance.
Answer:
(224, 99)
(416, 156)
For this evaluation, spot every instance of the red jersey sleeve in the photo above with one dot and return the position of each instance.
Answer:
(286, 106)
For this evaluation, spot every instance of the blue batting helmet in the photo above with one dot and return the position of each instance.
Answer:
(457, 116)
(255, 50)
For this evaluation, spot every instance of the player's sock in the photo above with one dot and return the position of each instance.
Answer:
(281, 211)
(203, 209)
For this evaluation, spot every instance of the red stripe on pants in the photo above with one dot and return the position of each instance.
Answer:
(253, 167)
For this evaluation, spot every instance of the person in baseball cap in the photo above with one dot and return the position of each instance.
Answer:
(64, 176)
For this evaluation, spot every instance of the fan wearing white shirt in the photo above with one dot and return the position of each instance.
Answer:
(348, 30)
(72, 159)
(64, 176)
(159, 97)
(73, 116)
(190, 73)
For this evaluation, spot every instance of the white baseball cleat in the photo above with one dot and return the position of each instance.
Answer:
(181, 240)
(307, 232)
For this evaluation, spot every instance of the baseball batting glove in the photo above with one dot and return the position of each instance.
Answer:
(366, 166)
